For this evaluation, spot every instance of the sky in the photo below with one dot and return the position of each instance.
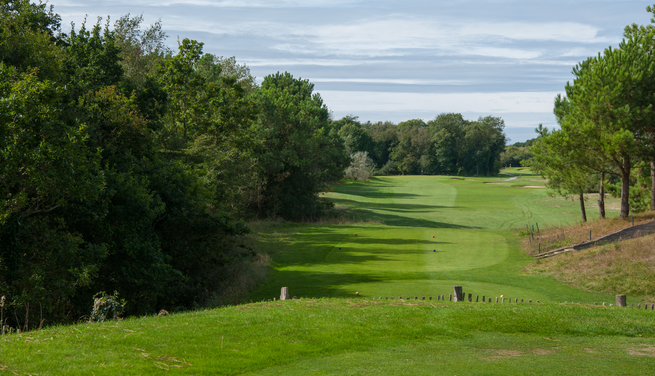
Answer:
(398, 60)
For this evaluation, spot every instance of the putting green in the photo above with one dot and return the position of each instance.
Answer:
(473, 221)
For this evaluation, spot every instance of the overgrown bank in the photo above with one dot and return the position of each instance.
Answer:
(624, 267)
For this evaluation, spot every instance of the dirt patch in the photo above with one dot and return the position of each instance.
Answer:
(644, 351)
(534, 186)
(590, 351)
(543, 351)
(502, 354)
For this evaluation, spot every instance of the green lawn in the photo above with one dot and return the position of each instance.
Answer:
(474, 222)
(348, 337)
(332, 331)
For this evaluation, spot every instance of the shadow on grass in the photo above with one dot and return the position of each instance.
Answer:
(383, 213)
(323, 248)
(311, 285)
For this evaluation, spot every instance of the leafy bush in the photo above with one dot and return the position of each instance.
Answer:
(104, 304)
(361, 168)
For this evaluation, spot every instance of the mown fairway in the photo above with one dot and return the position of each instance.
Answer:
(430, 233)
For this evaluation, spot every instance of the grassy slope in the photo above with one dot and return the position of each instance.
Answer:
(475, 243)
(348, 336)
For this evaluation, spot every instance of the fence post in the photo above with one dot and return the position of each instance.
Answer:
(284, 294)
(458, 294)
(621, 301)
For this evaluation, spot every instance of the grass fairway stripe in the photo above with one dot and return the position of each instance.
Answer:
(475, 245)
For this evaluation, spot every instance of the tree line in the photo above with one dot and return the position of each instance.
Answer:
(446, 145)
(128, 167)
(606, 139)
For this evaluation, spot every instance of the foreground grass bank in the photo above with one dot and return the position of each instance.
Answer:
(349, 336)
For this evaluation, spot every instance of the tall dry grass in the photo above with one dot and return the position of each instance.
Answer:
(626, 267)
(558, 237)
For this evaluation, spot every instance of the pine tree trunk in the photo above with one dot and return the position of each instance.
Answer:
(625, 188)
(652, 184)
(601, 196)
(582, 208)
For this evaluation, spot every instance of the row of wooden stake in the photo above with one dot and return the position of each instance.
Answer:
(458, 295)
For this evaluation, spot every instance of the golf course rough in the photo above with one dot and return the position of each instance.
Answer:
(425, 234)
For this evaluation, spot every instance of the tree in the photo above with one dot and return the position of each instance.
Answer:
(301, 153)
(141, 51)
(557, 162)
(413, 154)
(448, 132)
(185, 87)
(484, 142)
(611, 105)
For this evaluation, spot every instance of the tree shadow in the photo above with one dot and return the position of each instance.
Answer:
(311, 284)
(384, 213)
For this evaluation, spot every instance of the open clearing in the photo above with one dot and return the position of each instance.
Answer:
(333, 331)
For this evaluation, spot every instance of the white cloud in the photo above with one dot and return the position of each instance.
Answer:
(401, 35)
(403, 81)
(491, 103)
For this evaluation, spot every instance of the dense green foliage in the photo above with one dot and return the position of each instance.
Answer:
(125, 167)
(446, 145)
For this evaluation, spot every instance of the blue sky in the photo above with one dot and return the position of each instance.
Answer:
(400, 60)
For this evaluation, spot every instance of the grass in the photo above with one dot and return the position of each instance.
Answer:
(619, 268)
(382, 246)
(563, 236)
(474, 225)
(348, 336)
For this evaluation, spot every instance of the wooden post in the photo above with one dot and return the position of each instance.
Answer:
(476, 298)
(458, 293)
(521, 300)
(284, 294)
(483, 299)
(430, 298)
(470, 297)
(450, 297)
(621, 301)
(496, 299)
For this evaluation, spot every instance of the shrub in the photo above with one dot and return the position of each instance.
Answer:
(361, 168)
